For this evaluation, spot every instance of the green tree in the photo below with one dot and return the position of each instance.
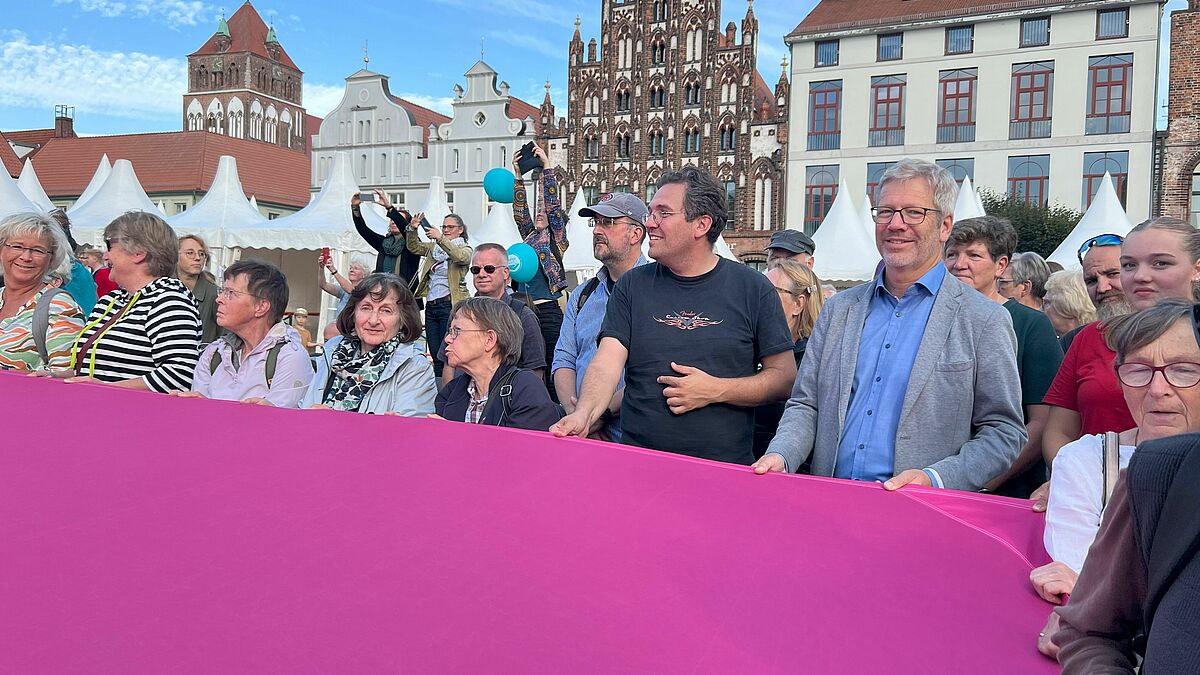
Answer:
(1039, 228)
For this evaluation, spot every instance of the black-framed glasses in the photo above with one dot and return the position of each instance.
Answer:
(490, 269)
(911, 215)
(1100, 240)
(1005, 282)
(1181, 374)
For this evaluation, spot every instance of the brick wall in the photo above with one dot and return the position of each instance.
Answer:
(1182, 145)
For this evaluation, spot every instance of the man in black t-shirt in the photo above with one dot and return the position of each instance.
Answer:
(690, 332)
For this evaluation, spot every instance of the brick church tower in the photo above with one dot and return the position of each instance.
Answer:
(243, 84)
(666, 87)
(1181, 149)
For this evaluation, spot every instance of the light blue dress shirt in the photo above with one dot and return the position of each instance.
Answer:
(891, 337)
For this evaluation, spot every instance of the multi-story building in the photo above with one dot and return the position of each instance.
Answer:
(667, 88)
(398, 146)
(1031, 97)
(1176, 167)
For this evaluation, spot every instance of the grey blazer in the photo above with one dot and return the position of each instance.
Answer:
(962, 411)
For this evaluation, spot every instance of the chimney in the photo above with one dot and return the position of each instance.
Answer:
(64, 121)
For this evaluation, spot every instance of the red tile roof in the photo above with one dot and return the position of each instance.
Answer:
(312, 127)
(247, 33)
(34, 137)
(844, 14)
(422, 117)
(8, 157)
(519, 110)
(177, 161)
(764, 97)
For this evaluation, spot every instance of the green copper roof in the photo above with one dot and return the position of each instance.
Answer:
(271, 36)
(223, 28)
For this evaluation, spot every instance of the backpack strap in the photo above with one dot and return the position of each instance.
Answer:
(41, 321)
(588, 288)
(214, 362)
(273, 361)
(1111, 464)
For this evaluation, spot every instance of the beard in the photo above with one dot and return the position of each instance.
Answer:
(1114, 307)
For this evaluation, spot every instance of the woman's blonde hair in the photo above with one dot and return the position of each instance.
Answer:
(1067, 295)
(804, 282)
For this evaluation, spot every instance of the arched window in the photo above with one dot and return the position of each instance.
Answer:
(456, 162)
(503, 156)
(383, 165)
(362, 166)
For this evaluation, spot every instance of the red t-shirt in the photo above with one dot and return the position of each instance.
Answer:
(1087, 384)
(103, 285)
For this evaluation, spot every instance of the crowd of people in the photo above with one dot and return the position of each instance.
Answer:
(963, 364)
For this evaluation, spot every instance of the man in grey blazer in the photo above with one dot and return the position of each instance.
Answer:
(910, 378)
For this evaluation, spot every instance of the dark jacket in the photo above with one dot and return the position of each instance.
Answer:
(205, 293)
(394, 256)
(530, 405)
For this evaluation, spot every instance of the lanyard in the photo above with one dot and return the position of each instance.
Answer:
(95, 341)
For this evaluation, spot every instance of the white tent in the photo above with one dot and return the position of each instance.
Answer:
(722, 249)
(253, 203)
(968, 204)
(120, 193)
(102, 170)
(12, 200)
(580, 255)
(223, 208)
(1104, 216)
(845, 244)
(978, 200)
(32, 187)
(498, 228)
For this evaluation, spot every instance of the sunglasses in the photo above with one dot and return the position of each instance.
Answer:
(1101, 240)
(490, 269)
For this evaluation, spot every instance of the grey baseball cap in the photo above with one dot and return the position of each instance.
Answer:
(616, 205)
(794, 241)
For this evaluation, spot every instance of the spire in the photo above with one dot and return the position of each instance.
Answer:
(222, 26)
(271, 35)
(750, 23)
(783, 70)
(546, 101)
(577, 37)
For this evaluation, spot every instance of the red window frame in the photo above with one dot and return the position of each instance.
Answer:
(1034, 187)
(1092, 184)
(1113, 92)
(1027, 85)
(888, 97)
(822, 102)
(815, 196)
(963, 100)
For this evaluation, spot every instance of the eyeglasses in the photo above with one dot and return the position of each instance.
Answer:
(490, 269)
(1005, 282)
(195, 255)
(1101, 240)
(109, 241)
(659, 216)
(605, 223)
(226, 292)
(912, 215)
(1182, 374)
(454, 331)
(34, 251)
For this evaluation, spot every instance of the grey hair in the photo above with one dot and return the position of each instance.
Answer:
(941, 183)
(498, 317)
(1066, 294)
(149, 234)
(30, 223)
(1131, 332)
(703, 196)
(362, 262)
(1031, 267)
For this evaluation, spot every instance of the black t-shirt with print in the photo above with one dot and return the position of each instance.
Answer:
(723, 322)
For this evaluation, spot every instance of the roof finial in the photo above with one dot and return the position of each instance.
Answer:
(366, 55)
(480, 49)
(576, 22)
(547, 87)
(783, 64)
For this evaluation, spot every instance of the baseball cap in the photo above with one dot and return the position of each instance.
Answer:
(616, 205)
(794, 241)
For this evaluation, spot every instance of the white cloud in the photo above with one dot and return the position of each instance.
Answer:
(523, 9)
(321, 99)
(172, 12)
(121, 84)
(528, 42)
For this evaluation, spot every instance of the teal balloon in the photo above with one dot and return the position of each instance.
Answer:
(522, 262)
(498, 184)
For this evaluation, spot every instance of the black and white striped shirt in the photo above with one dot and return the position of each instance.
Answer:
(157, 339)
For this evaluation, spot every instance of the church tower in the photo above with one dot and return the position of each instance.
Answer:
(241, 83)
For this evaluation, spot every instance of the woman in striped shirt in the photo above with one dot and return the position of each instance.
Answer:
(146, 334)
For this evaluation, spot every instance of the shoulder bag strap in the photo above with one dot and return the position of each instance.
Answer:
(41, 321)
(273, 361)
(1111, 464)
(588, 288)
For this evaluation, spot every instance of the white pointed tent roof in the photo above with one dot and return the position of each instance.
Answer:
(120, 193)
(1104, 216)
(845, 246)
(497, 228)
(967, 205)
(102, 170)
(12, 200)
(722, 249)
(223, 208)
(436, 208)
(325, 221)
(579, 254)
(32, 187)
(865, 217)
(253, 203)
(979, 200)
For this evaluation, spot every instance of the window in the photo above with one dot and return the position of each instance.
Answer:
(824, 115)
(691, 142)
(890, 47)
(657, 144)
(590, 192)
(827, 53)
(1095, 165)
(591, 147)
(650, 190)
(887, 111)
(658, 97)
(624, 101)
(398, 199)
(272, 216)
(875, 171)
(960, 39)
(692, 94)
(1035, 32)
(383, 165)
(959, 168)
(820, 189)
(956, 112)
(658, 53)
(728, 137)
(623, 145)
(1194, 210)
(180, 207)
(1032, 91)
(731, 200)
(450, 200)
(1108, 94)
(1028, 178)
(1112, 23)
(455, 165)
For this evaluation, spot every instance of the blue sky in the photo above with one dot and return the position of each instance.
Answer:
(122, 63)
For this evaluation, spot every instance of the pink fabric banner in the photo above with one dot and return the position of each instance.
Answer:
(141, 534)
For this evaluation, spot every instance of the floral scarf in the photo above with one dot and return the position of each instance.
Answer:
(353, 373)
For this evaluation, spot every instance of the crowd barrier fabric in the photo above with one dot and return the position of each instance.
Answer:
(141, 533)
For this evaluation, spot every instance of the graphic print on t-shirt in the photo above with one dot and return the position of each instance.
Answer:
(688, 320)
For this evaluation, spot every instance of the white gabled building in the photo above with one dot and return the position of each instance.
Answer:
(399, 146)
(1034, 97)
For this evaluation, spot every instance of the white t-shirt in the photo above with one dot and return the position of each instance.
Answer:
(1076, 493)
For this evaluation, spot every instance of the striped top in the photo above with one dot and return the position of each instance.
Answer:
(17, 349)
(156, 339)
